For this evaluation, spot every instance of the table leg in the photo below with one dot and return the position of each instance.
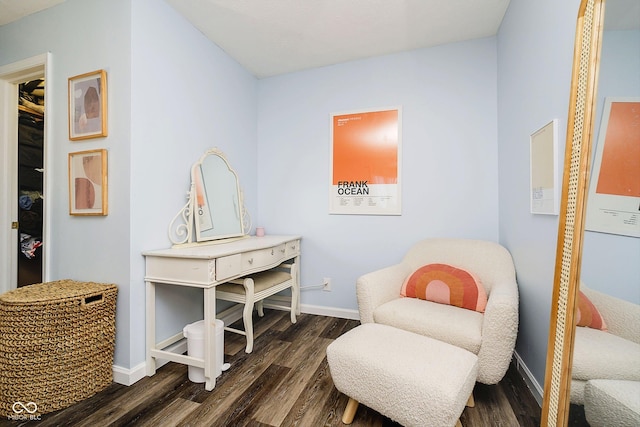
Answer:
(210, 353)
(150, 326)
(297, 283)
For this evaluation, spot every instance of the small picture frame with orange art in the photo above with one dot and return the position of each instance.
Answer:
(88, 182)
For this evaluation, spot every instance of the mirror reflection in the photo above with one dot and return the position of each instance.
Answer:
(217, 199)
(215, 208)
(608, 363)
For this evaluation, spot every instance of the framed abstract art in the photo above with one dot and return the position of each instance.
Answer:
(88, 182)
(88, 105)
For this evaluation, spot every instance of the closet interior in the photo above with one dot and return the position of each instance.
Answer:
(30, 181)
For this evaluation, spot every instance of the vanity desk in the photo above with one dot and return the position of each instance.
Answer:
(207, 266)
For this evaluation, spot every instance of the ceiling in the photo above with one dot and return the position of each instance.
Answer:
(12, 10)
(271, 37)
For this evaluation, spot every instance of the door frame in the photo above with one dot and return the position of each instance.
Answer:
(11, 76)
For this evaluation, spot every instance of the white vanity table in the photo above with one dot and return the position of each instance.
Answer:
(211, 246)
(205, 267)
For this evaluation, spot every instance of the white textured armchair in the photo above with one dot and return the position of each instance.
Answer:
(490, 335)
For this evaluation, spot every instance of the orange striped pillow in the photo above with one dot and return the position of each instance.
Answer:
(446, 284)
(588, 314)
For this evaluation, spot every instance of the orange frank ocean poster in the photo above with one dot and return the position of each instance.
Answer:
(365, 163)
(614, 194)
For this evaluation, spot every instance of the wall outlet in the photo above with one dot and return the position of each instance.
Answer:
(326, 284)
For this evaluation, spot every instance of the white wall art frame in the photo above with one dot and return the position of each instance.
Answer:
(544, 190)
(366, 162)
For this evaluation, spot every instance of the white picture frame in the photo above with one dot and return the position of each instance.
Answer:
(365, 162)
(543, 152)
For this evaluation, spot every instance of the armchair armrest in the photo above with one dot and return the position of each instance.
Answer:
(499, 332)
(622, 317)
(378, 287)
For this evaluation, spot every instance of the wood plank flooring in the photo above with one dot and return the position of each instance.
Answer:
(284, 382)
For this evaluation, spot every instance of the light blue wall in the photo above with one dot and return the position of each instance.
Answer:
(187, 96)
(535, 52)
(449, 159)
(172, 95)
(83, 36)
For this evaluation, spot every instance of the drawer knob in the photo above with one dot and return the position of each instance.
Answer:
(282, 250)
(271, 251)
(250, 260)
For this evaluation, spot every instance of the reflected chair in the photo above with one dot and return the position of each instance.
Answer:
(253, 289)
(613, 354)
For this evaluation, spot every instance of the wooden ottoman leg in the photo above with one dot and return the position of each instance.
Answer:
(458, 423)
(471, 402)
(350, 411)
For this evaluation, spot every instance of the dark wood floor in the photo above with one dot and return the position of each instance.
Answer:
(284, 382)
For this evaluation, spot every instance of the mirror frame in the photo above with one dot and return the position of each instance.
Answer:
(183, 229)
(198, 185)
(580, 124)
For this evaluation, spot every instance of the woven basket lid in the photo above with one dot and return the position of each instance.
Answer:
(50, 291)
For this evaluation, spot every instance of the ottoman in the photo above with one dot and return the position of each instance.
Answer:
(412, 379)
(612, 402)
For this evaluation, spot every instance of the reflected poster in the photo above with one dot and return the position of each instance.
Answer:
(614, 194)
(365, 162)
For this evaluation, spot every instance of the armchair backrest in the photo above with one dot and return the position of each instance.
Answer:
(622, 317)
(489, 261)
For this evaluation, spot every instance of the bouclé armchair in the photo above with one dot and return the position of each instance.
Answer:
(490, 335)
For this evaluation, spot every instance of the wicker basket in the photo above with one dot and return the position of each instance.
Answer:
(56, 345)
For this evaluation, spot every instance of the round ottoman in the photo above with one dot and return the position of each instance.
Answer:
(410, 378)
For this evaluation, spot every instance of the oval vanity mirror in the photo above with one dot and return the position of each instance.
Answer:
(215, 207)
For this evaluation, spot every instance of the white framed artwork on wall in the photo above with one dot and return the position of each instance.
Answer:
(365, 162)
(543, 152)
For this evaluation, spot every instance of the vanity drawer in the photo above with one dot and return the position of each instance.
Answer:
(197, 272)
(292, 248)
(228, 266)
(263, 257)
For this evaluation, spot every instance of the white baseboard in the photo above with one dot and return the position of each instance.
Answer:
(529, 379)
(126, 376)
(279, 302)
(342, 313)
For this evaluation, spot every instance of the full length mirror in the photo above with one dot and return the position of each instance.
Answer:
(555, 407)
(215, 209)
(596, 370)
(610, 270)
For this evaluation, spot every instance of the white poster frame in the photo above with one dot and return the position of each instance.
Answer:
(377, 136)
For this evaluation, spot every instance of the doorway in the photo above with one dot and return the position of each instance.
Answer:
(30, 169)
(11, 77)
